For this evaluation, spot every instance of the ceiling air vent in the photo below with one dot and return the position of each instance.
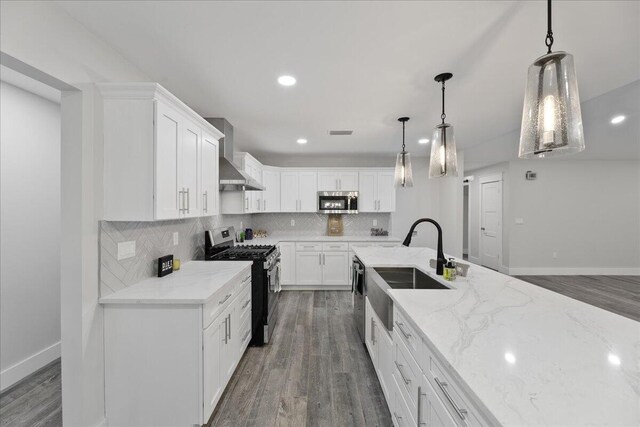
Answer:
(340, 132)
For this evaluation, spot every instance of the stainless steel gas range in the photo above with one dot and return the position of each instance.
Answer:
(265, 277)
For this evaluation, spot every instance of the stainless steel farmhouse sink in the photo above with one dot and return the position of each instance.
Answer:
(408, 278)
(379, 279)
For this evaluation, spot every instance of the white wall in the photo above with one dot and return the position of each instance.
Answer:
(45, 37)
(588, 211)
(30, 229)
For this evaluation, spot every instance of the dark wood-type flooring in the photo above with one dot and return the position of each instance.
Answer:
(315, 372)
(35, 401)
(618, 294)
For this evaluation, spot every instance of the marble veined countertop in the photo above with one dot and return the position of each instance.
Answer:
(277, 238)
(531, 356)
(195, 283)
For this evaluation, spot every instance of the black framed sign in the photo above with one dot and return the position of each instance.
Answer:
(165, 265)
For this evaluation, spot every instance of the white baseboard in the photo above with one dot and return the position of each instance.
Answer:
(316, 287)
(26, 367)
(474, 260)
(574, 271)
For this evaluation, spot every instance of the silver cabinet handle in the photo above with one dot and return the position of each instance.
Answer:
(404, 378)
(180, 200)
(398, 418)
(373, 332)
(229, 325)
(264, 204)
(320, 259)
(246, 304)
(188, 201)
(204, 202)
(226, 329)
(420, 394)
(406, 334)
(246, 279)
(226, 297)
(460, 411)
(246, 203)
(323, 259)
(246, 335)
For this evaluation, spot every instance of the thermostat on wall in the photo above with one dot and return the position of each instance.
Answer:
(530, 175)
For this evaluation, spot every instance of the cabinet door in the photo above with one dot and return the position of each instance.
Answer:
(370, 329)
(432, 410)
(308, 192)
(328, 181)
(287, 263)
(386, 191)
(209, 183)
(168, 134)
(367, 199)
(289, 188)
(335, 268)
(348, 181)
(213, 344)
(189, 169)
(228, 352)
(258, 195)
(385, 363)
(271, 195)
(308, 268)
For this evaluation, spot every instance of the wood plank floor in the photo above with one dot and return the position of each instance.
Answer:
(618, 294)
(35, 401)
(315, 372)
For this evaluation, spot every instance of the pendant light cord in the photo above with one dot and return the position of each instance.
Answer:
(549, 39)
(403, 137)
(443, 115)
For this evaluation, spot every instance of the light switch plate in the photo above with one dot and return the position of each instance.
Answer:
(293, 222)
(375, 222)
(519, 221)
(126, 250)
(175, 238)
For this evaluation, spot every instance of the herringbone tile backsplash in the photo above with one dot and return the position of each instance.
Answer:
(153, 240)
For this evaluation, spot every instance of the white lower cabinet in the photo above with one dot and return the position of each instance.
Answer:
(168, 364)
(308, 268)
(432, 410)
(287, 263)
(335, 268)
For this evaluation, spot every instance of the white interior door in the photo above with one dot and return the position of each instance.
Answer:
(491, 223)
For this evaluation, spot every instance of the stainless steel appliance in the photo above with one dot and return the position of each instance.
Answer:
(338, 202)
(265, 277)
(358, 290)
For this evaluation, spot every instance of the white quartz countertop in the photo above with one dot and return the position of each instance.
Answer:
(195, 283)
(530, 355)
(277, 238)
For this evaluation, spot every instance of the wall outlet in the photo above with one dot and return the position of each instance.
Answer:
(175, 238)
(519, 221)
(375, 222)
(126, 250)
(293, 222)
(555, 255)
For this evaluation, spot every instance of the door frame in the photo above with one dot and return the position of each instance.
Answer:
(485, 180)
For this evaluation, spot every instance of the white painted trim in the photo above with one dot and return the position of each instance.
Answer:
(28, 366)
(316, 287)
(474, 260)
(503, 269)
(574, 271)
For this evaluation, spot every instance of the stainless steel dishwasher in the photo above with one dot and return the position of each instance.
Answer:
(359, 292)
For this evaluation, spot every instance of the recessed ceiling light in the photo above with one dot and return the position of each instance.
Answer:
(423, 141)
(301, 141)
(510, 357)
(287, 80)
(614, 359)
(617, 119)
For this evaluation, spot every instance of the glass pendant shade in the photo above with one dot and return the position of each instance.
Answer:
(551, 117)
(444, 158)
(404, 176)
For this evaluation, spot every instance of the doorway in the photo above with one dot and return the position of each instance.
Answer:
(491, 221)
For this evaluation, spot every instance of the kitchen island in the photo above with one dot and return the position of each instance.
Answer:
(519, 354)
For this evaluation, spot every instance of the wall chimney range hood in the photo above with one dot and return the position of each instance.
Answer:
(232, 178)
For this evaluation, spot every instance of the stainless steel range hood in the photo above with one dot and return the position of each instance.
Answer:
(232, 178)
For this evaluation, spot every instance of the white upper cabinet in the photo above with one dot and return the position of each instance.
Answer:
(377, 191)
(271, 194)
(251, 200)
(210, 176)
(298, 190)
(337, 180)
(152, 154)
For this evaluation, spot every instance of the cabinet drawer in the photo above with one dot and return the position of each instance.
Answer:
(407, 334)
(335, 247)
(407, 371)
(360, 245)
(308, 246)
(244, 302)
(245, 332)
(449, 392)
(400, 413)
(224, 297)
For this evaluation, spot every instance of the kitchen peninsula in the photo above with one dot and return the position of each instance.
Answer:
(496, 350)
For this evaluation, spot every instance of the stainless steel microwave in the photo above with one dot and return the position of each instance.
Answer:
(338, 202)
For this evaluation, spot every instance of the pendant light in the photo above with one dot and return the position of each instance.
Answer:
(404, 176)
(444, 159)
(551, 117)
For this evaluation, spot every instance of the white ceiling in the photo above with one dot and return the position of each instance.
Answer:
(361, 65)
